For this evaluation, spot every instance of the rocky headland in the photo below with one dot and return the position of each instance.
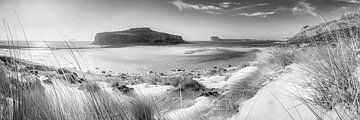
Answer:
(137, 36)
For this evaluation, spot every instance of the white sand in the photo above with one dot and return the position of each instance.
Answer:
(148, 90)
(265, 105)
(205, 104)
(213, 81)
(201, 106)
(241, 75)
(220, 82)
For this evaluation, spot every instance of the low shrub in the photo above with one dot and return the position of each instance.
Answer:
(143, 109)
(90, 86)
(192, 85)
(282, 56)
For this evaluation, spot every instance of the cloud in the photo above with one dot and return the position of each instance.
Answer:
(282, 9)
(350, 1)
(225, 4)
(229, 4)
(213, 12)
(250, 6)
(182, 5)
(226, 8)
(255, 14)
(304, 7)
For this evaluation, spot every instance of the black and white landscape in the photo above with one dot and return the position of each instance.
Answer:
(179, 60)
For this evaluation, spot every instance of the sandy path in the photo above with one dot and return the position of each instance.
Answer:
(148, 90)
(220, 82)
(201, 106)
(265, 105)
(241, 75)
(204, 104)
(213, 81)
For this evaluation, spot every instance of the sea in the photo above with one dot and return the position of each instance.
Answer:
(84, 56)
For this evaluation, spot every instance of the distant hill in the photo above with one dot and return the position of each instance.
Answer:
(137, 36)
(346, 27)
(216, 38)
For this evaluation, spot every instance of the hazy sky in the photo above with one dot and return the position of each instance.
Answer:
(192, 19)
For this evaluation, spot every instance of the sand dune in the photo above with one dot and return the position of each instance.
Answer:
(277, 100)
(148, 90)
(201, 106)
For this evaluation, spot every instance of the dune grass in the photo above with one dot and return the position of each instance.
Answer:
(282, 56)
(332, 68)
(334, 81)
(62, 101)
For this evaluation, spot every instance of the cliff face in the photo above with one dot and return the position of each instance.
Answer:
(342, 29)
(214, 38)
(137, 36)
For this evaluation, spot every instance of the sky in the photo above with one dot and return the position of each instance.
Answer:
(192, 19)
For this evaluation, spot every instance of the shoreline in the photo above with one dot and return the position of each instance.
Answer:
(246, 44)
(193, 93)
(169, 59)
(182, 94)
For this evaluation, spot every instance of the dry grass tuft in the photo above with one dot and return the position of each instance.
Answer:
(90, 87)
(282, 56)
(62, 101)
(334, 81)
(333, 70)
(143, 109)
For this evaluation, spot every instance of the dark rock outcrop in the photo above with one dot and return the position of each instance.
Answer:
(137, 36)
(208, 94)
(343, 29)
(123, 88)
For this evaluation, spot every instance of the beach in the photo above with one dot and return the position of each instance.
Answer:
(133, 59)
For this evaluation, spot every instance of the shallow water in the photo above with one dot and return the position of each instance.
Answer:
(138, 59)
